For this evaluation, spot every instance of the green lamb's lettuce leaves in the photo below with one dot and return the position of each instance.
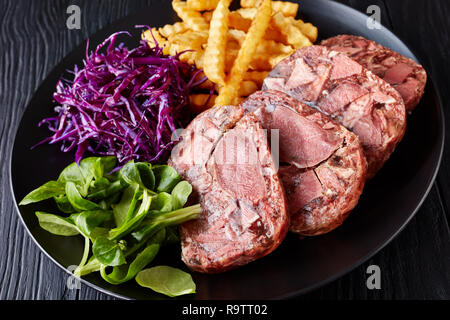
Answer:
(98, 232)
(109, 163)
(93, 265)
(125, 273)
(109, 202)
(72, 173)
(124, 210)
(166, 280)
(104, 190)
(97, 185)
(63, 204)
(130, 224)
(76, 200)
(97, 167)
(85, 256)
(155, 223)
(138, 172)
(165, 202)
(162, 202)
(166, 178)
(127, 214)
(180, 194)
(146, 174)
(56, 224)
(88, 221)
(44, 192)
(108, 252)
(91, 168)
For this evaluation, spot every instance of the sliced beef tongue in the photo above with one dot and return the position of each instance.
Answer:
(341, 88)
(226, 157)
(404, 74)
(326, 168)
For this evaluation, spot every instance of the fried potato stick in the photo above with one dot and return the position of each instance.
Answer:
(202, 5)
(193, 19)
(293, 34)
(214, 57)
(229, 91)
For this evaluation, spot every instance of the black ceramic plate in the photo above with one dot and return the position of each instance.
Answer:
(389, 201)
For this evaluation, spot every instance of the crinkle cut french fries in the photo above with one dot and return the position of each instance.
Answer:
(236, 49)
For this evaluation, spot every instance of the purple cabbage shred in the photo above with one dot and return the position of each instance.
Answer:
(125, 103)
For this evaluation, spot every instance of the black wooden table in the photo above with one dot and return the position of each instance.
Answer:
(34, 38)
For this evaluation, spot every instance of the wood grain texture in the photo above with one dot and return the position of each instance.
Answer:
(431, 35)
(34, 37)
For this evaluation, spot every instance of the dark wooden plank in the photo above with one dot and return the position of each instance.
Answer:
(430, 39)
(34, 38)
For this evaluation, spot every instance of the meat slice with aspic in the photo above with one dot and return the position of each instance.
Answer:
(225, 155)
(324, 168)
(405, 75)
(341, 88)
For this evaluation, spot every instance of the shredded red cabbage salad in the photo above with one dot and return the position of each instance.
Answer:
(125, 103)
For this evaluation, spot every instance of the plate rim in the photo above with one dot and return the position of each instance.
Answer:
(295, 293)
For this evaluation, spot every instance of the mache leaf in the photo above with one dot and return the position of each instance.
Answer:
(72, 173)
(130, 224)
(63, 204)
(166, 178)
(56, 224)
(46, 191)
(87, 221)
(138, 172)
(76, 200)
(123, 273)
(108, 252)
(146, 174)
(124, 210)
(180, 194)
(166, 219)
(162, 202)
(166, 280)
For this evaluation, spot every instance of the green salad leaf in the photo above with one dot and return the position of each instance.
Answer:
(166, 178)
(161, 203)
(108, 252)
(124, 210)
(166, 219)
(46, 191)
(166, 280)
(180, 194)
(126, 217)
(56, 224)
(132, 222)
(63, 203)
(138, 172)
(73, 173)
(76, 200)
(88, 221)
(125, 273)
